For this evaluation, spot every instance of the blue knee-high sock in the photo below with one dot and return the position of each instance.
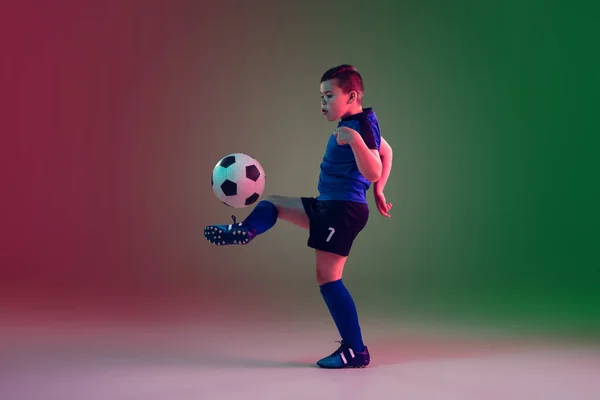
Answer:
(263, 217)
(343, 310)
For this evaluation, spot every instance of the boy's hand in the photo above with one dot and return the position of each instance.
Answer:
(345, 135)
(382, 206)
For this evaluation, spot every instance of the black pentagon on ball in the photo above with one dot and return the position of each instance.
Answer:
(212, 181)
(252, 172)
(252, 199)
(229, 188)
(227, 161)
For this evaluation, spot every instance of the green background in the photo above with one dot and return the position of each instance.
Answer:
(118, 112)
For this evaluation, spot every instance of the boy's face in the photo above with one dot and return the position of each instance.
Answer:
(335, 104)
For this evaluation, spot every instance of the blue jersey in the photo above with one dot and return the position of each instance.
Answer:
(340, 178)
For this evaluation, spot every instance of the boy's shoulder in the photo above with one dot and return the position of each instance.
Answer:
(366, 124)
(367, 114)
(363, 122)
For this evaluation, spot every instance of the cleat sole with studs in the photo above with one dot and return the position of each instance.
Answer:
(217, 236)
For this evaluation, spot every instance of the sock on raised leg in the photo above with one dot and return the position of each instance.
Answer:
(263, 217)
(343, 311)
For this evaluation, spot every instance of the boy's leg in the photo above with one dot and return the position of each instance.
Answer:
(334, 226)
(262, 218)
(352, 353)
(290, 209)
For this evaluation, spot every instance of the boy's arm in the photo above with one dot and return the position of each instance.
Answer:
(385, 151)
(367, 160)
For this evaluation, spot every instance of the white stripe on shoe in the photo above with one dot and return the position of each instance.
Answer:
(344, 358)
(351, 352)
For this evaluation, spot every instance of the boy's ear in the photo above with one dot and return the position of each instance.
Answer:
(353, 97)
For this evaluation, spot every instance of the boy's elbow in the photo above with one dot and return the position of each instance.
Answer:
(374, 176)
(386, 151)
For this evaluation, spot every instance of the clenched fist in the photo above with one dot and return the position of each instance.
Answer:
(345, 135)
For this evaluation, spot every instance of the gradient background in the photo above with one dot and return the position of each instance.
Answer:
(115, 112)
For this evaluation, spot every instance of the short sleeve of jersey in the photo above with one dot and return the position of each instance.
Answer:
(370, 134)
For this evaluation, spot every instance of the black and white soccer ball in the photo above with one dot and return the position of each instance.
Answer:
(238, 180)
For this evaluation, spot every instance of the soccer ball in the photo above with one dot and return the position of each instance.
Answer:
(238, 180)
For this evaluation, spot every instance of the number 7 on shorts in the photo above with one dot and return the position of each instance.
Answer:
(331, 232)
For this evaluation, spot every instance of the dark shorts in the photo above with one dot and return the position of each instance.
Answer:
(334, 224)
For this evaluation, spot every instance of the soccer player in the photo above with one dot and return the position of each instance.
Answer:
(356, 156)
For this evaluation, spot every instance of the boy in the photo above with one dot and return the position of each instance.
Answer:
(356, 156)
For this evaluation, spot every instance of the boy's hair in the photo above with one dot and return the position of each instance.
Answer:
(348, 79)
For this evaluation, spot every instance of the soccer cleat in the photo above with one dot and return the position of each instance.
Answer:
(236, 233)
(346, 357)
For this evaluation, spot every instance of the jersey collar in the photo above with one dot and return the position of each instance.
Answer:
(360, 115)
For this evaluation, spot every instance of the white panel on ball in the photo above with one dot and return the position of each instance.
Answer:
(260, 185)
(218, 177)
